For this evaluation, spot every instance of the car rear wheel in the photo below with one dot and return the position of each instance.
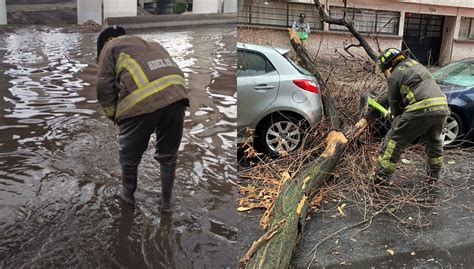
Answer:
(452, 130)
(280, 133)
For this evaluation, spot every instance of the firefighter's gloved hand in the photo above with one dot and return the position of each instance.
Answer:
(389, 115)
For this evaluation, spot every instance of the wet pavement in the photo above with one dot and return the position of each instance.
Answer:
(444, 240)
(59, 159)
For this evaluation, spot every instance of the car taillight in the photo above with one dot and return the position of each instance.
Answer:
(307, 85)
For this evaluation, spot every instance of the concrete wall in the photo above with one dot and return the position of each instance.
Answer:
(37, 2)
(327, 44)
(3, 12)
(89, 10)
(206, 6)
(399, 6)
(120, 8)
(448, 38)
(230, 6)
(41, 7)
(433, 3)
(462, 49)
(452, 3)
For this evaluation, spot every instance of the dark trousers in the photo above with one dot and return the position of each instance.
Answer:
(406, 129)
(135, 132)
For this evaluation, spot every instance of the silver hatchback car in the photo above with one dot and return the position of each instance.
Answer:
(275, 97)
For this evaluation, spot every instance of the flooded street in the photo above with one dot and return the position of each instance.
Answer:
(59, 167)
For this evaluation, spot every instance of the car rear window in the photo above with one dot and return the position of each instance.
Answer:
(295, 65)
(252, 64)
(459, 74)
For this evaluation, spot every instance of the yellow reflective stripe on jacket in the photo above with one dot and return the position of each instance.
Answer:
(109, 110)
(151, 88)
(411, 97)
(408, 93)
(126, 62)
(436, 101)
(435, 161)
(384, 160)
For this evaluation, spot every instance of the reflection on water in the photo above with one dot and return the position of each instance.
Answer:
(59, 167)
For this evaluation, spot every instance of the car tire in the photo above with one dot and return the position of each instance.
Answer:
(452, 131)
(284, 129)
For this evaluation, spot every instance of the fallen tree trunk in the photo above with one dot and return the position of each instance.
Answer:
(289, 212)
(292, 206)
(329, 105)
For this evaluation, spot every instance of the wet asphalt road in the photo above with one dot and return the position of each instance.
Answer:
(446, 239)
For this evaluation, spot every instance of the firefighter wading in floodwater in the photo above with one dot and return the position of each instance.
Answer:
(142, 90)
(420, 109)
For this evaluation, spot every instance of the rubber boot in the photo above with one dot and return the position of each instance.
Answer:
(433, 174)
(129, 185)
(381, 179)
(167, 171)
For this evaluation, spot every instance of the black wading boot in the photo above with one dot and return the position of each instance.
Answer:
(381, 179)
(167, 171)
(433, 174)
(129, 185)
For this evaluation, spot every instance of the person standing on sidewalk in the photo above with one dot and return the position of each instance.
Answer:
(142, 90)
(301, 27)
(420, 109)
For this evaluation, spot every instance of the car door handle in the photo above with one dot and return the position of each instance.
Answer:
(263, 87)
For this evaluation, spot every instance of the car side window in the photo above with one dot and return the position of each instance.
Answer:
(252, 64)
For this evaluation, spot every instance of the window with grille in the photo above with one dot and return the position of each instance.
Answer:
(466, 30)
(277, 14)
(367, 20)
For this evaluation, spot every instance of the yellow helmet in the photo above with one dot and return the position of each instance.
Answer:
(385, 60)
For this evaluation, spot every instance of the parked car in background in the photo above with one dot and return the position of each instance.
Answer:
(457, 82)
(275, 97)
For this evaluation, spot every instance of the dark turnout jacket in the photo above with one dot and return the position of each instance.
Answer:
(412, 89)
(136, 77)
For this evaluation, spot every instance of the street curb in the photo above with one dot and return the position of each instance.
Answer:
(164, 21)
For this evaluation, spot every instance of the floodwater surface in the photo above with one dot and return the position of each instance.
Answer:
(59, 168)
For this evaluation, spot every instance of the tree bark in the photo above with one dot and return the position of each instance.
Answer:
(329, 105)
(292, 207)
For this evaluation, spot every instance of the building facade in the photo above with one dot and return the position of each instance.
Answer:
(435, 32)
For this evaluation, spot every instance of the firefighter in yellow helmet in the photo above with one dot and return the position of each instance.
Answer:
(142, 90)
(419, 108)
